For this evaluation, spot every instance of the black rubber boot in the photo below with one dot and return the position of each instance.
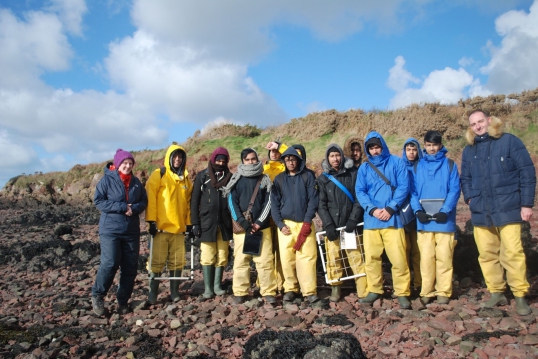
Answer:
(153, 288)
(209, 272)
(174, 285)
(218, 281)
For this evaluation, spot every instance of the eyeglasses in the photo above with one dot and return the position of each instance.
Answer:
(292, 160)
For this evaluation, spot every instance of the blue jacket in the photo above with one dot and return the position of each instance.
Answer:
(434, 179)
(498, 177)
(372, 192)
(294, 197)
(110, 201)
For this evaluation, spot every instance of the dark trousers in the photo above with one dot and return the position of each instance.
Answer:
(117, 251)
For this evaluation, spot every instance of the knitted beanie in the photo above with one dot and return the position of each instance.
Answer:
(121, 156)
(219, 151)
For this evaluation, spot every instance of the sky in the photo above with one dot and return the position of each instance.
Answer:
(80, 79)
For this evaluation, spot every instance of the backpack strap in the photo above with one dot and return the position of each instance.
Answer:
(163, 171)
(340, 185)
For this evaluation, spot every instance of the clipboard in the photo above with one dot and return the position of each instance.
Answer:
(253, 243)
(432, 206)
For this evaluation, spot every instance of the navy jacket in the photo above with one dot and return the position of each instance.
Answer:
(110, 201)
(239, 198)
(498, 177)
(294, 197)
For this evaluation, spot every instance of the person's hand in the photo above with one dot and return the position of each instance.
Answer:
(196, 230)
(129, 211)
(255, 228)
(382, 214)
(286, 231)
(350, 226)
(247, 226)
(440, 217)
(152, 228)
(272, 146)
(526, 213)
(423, 217)
(331, 232)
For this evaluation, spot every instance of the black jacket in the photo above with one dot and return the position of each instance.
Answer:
(210, 210)
(239, 199)
(335, 207)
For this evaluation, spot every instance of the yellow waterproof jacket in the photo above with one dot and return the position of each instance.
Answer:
(169, 196)
(273, 168)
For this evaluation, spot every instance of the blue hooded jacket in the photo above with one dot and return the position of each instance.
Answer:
(110, 201)
(433, 180)
(372, 191)
(294, 197)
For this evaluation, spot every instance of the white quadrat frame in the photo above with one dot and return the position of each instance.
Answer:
(348, 272)
(165, 268)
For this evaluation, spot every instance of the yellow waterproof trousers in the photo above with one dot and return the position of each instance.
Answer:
(214, 253)
(500, 250)
(413, 256)
(436, 254)
(264, 266)
(392, 240)
(279, 275)
(167, 247)
(299, 267)
(337, 261)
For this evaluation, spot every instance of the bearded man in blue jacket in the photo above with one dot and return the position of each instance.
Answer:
(498, 181)
(383, 229)
(436, 178)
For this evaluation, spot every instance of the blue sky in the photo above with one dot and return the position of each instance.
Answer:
(81, 79)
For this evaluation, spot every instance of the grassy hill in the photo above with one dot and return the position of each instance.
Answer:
(315, 131)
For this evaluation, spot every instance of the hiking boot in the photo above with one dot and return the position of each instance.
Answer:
(336, 293)
(98, 305)
(370, 298)
(123, 309)
(174, 285)
(153, 288)
(404, 302)
(218, 281)
(442, 299)
(312, 298)
(239, 299)
(288, 296)
(522, 307)
(425, 300)
(497, 298)
(270, 299)
(208, 272)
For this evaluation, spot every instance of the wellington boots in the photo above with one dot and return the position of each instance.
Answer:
(425, 300)
(497, 298)
(218, 281)
(370, 298)
(522, 307)
(153, 288)
(209, 272)
(174, 285)
(441, 299)
(336, 293)
(404, 302)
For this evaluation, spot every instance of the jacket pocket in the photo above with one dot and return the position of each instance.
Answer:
(476, 204)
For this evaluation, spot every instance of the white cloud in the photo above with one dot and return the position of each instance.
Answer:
(70, 12)
(444, 86)
(15, 156)
(513, 64)
(466, 61)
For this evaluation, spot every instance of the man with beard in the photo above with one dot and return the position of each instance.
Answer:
(253, 214)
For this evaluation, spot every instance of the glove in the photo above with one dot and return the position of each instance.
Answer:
(423, 217)
(331, 232)
(196, 230)
(247, 226)
(440, 217)
(152, 229)
(189, 229)
(303, 233)
(350, 226)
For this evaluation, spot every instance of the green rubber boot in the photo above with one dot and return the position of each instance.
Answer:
(370, 298)
(218, 281)
(209, 272)
(336, 293)
(153, 288)
(497, 298)
(522, 307)
(174, 285)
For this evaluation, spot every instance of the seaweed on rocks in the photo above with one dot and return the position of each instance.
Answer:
(476, 337)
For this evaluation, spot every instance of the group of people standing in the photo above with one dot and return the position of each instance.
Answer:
(407, 206)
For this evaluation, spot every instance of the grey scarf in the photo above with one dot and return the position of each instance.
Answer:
(247, 171)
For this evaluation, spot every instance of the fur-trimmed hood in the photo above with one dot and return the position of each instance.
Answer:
(346, 163)
(349, 142)
(495, 130)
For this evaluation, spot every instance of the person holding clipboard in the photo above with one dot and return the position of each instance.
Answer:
(434, 198)
(249, 200)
